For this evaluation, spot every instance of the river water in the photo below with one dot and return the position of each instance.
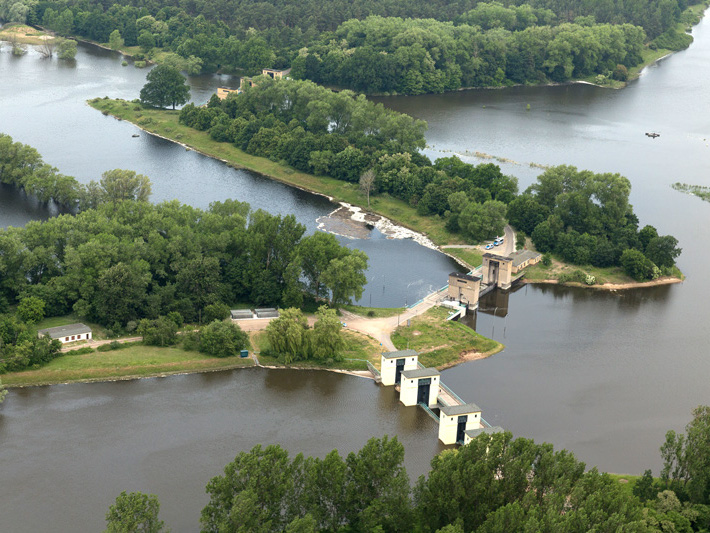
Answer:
(602, 374)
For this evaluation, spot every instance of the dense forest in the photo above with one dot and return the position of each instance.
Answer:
(494, 484)
(379, 46)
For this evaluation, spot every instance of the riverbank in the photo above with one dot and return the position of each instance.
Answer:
(605, 278)
(164, 124)
(23, 34)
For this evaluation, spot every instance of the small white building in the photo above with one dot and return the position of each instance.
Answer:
(473, 433)
(65, 334)
(392, 364)
(420, 386)
(455, 420)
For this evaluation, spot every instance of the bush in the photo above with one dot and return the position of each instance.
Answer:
(124, 63)
(113, 345)
(621, 73)
(159, 332)
(576, 276)
(223, 339)
(80, 351)
(546, 260)
(216, 311)
(139, 64)
(191, 341)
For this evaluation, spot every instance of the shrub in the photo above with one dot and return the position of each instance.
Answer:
(80, 351)
(370, 313)
(139, 64)
(590, 280)
(547, 260)
(216, 311)
(191, 341)
(223, 339)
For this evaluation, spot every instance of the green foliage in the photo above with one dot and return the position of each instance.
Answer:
(673, 40)
(288, 335)
(111, 346)
(20, 347)
(159, 332)
(134, 512)
(483, 221)
(3, 392)
(263, 490)
(165, 86)
(325, 341)
(663, 251)
(115, 41)
(31, 309)
(67, 49)
(345, 277)
(645, 488)
(636, 265)
(223, 339)
(216, 311)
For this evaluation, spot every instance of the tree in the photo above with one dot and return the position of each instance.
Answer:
(67, 49)
(216, 311)
(146, 40)
(663, 250)
(636, 265)
(483, 221)
(345, 277)
(315, 253)
(326, 341)
(134, 512)
(223, 339)
(367, 183)
(31, 309)
(115, 41)
(287, 335)
(118, 185)
(166, 86)
(159, 332)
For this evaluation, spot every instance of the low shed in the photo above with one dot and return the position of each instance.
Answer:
(70, 333)
(420, 386)
(267, 312)
(455, 420)
(241, 314)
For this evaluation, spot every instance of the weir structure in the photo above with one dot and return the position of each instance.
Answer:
(459, 422)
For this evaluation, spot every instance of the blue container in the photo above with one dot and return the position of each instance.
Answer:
(245, 353)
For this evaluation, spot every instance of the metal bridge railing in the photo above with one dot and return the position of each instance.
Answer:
(428, 411)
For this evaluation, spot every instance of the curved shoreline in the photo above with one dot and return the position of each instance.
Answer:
(609, 286)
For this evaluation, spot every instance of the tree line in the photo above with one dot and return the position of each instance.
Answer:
(493, 484)
(386, 46)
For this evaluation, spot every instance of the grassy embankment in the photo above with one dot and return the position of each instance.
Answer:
(165, 123)
(556, 269)
(133, 361)
(24, 34)
(374, 312)
(471, 256)
(441, 343)
(358, 349)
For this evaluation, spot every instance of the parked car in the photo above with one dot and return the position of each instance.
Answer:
(489, 246)
(497, 243)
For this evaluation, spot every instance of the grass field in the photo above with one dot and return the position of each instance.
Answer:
(24, 34)
(441, 343)
(472, 257)
(358, 348)
(134, 361)
(165, 123)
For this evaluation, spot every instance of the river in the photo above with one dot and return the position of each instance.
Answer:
(602, 374)
(83, 143)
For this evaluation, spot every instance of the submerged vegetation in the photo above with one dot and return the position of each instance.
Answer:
(700, 191)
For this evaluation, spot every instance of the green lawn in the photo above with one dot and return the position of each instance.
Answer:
(135, 361)
(442, 343)
(165, 123)
(358, 348)
(472, 257)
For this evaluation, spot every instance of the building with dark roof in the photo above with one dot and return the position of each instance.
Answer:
(69, 333)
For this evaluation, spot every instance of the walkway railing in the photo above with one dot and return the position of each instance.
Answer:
(375, 372)
(428, 411)
(452, 393)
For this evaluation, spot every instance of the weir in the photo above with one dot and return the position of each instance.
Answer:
(459, 421)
